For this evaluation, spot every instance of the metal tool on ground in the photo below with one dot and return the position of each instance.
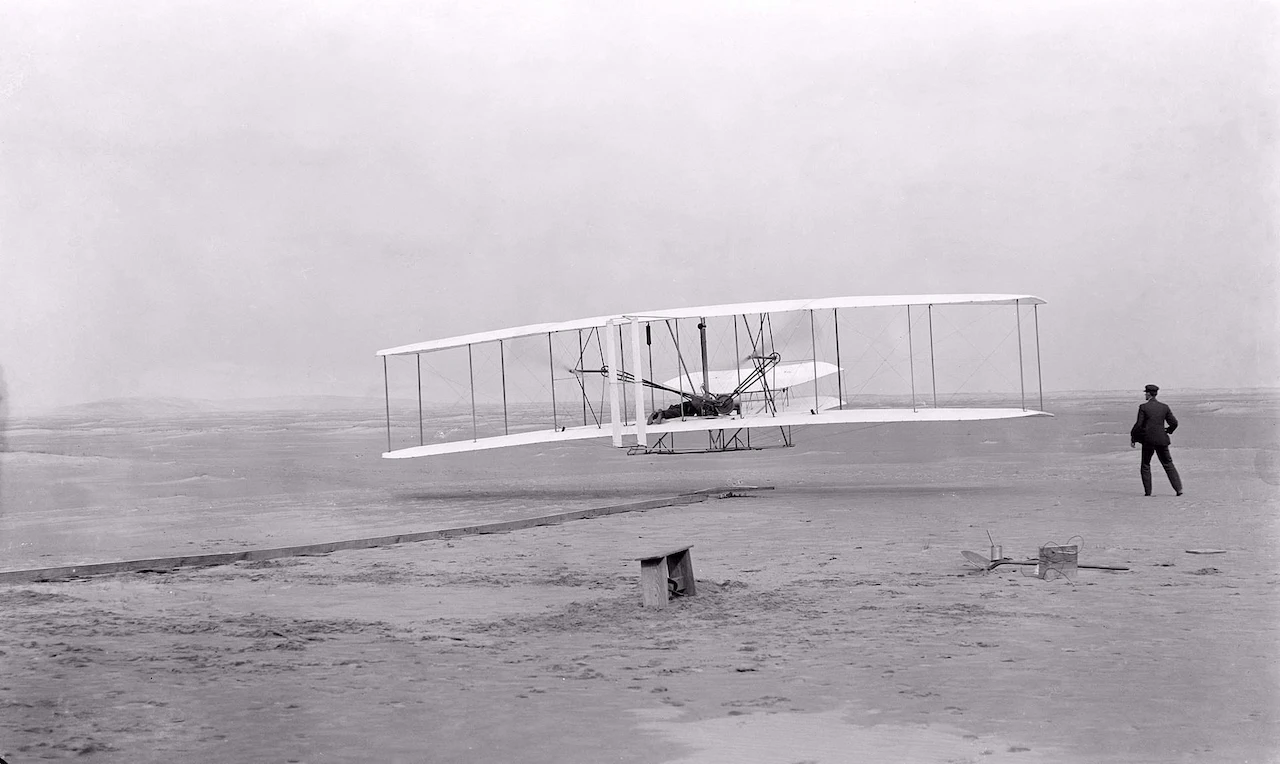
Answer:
(1052, 561)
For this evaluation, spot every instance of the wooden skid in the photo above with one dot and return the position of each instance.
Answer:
(166, 564)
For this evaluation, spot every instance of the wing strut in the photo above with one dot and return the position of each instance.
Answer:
(551, 366)
(835, 312)
(648, 341)
(615, 416)
(581, 355)
(502, 365)
(813, 340)
(1022, 382)
(933, 369)
(911, 359)
(622, 368)
(702, 339)
(471, 375)
(386, 388)
(1035, 310)
(642, 437)
(737, 353)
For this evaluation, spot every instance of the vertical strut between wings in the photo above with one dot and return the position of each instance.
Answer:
(1035, 309)
(911, 359)
(682, 370)
(1022, 382)
(622, 369)
(642, 437)
(835, 312)
(933, 367)
(471, 376)
(648, 341)
(551, 366)
(615, 416)
(813, 342)
(386, 388)
(502, 364)
(582, 354)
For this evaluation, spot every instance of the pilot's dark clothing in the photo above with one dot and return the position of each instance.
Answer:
(1155, 423)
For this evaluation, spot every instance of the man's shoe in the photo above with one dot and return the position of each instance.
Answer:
(1179, 493)
(1147, 494)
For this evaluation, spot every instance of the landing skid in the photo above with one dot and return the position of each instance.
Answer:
(718, 441)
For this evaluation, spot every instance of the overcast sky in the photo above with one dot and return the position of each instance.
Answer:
(245, 198)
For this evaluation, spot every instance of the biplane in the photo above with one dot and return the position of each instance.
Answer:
(719, 378)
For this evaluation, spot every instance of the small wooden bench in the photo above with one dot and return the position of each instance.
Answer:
(665, 575)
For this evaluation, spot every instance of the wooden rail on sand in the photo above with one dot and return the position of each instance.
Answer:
(164, 564)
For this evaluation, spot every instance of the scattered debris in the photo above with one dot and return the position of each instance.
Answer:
(1053, 561)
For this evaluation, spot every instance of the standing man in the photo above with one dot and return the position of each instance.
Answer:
(1150, 430)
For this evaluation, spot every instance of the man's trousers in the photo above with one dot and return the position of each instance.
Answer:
(1166, 461)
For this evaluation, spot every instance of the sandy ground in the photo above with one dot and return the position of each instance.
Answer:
(835, 620)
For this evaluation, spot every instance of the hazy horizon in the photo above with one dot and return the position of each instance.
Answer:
(250, 199)
(401, 406)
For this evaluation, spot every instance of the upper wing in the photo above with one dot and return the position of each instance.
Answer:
(708, 311)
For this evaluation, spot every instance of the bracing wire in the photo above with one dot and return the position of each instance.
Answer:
(981, 365)
(884, 358)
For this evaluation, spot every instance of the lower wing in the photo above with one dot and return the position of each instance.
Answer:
(788, 418)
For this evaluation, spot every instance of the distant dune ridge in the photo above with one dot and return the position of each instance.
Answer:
(178, 405)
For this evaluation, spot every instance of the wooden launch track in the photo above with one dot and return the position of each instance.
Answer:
(167, 564)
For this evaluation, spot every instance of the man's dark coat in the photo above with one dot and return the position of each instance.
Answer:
(1150, 428)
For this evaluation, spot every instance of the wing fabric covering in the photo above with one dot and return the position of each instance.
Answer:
(781, 377)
